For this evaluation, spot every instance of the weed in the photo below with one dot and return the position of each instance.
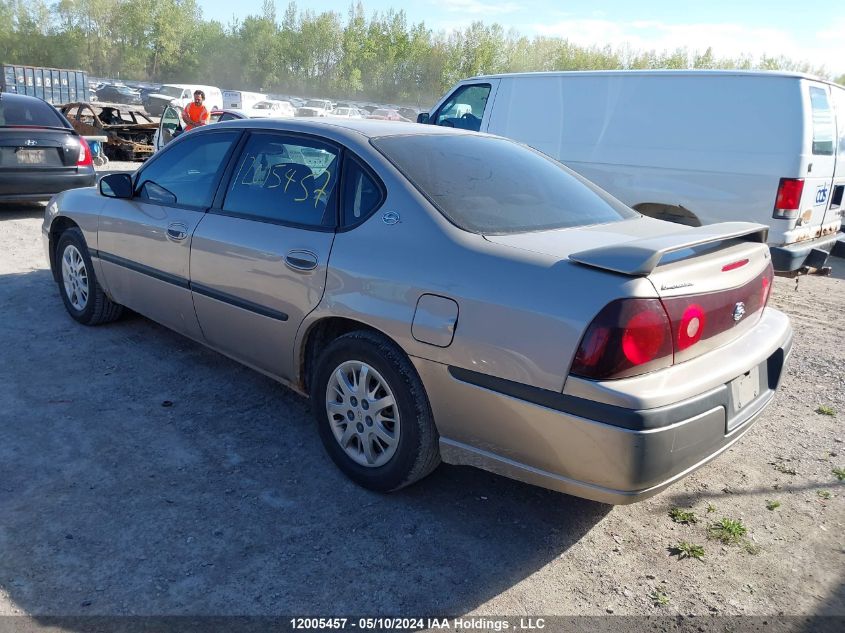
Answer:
(772, 505)
(728, 531)
(839, 473)
(659, 598)
(750, 547)
(825, 410)
(687, 550)
(710, 508)
(682, 516)
(824, 494)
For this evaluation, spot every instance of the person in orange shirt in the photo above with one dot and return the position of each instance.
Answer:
(195, 114)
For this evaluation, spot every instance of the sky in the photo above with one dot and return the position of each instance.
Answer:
(810, 30)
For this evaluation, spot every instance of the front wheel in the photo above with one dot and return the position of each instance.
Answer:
(81, 293)
(372, 412)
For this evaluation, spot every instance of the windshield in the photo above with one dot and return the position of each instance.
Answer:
(311, 103)
(495, 186)
(171, 91)
(263, 105)
(29, 112)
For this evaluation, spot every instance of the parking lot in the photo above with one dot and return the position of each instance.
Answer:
(141, 473)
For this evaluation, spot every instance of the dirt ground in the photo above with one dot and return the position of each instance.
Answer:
(143, 474)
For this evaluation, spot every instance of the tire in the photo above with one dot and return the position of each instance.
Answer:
(81, 293)
(402, 438)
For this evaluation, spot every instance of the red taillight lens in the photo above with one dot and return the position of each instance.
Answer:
(691, 327)
(628, 337)
(789, 198)
(85, 157)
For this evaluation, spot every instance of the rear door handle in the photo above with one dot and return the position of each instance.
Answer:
(301, 260)
(177, 231)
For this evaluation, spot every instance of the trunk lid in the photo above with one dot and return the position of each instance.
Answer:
(35, 148)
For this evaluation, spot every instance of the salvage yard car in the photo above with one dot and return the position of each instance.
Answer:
(130, 131)
(439, 294)
(40, 153)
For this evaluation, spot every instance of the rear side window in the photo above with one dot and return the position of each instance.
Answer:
(285, 179)
(29, 112)
(495, 186)
(361, 194)
(187, 173)
(823, 128)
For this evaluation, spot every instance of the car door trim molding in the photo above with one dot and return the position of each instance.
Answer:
(181, 282)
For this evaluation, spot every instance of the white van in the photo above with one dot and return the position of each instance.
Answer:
(241, 100)
(182, 95)
(692, 147)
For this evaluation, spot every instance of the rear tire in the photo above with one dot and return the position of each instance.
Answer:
(372, 413)
(81, 293)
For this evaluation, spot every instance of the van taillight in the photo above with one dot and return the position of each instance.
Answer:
(85, 158)
(634, 336)
(628, 337)
(788, 199)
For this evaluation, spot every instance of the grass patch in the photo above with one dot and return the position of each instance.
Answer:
(728, 531)
(839, 473)
(687, 550)
(772, 505)
(825, 410)
(659, 598)
(710, 508)
(824, 494)
(682, 516)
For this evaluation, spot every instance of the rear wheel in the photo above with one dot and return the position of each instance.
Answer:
(372, 412)
(82, 295)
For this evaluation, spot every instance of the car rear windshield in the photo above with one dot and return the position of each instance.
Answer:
(29, 112)
(495, 186)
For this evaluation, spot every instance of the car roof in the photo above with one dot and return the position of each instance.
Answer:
(345, 128)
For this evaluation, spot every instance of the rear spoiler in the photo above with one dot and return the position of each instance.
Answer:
(641, 256)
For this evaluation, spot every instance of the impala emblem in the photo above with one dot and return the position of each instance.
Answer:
(29, 142)
(739, 311)
(391, 217)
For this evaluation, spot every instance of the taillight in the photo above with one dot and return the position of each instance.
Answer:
(788, 199)
(85, 158)
(634, 336)
(628, 337)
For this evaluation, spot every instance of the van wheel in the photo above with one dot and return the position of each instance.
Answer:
(81, 293)
(372, 413)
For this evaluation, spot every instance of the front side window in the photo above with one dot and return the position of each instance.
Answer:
(823, 131)
(187, 174)
(285, 179)
(465, 108)
(495, 186)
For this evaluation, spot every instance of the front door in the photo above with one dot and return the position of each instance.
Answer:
(259, 258)
(169, 127)
(144, 242)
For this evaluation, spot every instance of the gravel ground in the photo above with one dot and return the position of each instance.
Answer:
(143, 474)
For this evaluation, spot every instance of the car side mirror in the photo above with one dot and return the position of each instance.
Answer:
(116, 186)
(422, 117)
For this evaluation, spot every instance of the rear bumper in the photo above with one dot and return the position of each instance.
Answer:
(591, 449)
(39, 187)
(812, 253)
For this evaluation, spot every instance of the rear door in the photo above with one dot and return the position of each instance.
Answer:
(259, 258)
(144, 242)
(836, 208)
(818, 184)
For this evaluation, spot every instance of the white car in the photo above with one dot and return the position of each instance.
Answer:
(316, 107)
(348, 113)
(272, 108)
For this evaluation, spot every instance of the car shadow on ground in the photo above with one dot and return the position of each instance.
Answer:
(20, 211)
(141, 473)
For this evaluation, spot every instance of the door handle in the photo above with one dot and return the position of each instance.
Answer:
(301, 260)
(177, 232)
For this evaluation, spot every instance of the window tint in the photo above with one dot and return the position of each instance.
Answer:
(17, 111)
(188, 172)
(361, 195)
(285, 179)
(822, 122)
(465, 108)
(495, 186)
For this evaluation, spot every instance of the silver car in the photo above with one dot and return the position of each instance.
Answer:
(439, 295)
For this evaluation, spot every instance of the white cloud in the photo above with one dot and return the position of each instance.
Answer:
(482, 9)
(727, 40)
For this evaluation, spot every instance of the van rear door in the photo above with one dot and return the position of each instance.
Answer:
(818, 184)
(836, 206)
